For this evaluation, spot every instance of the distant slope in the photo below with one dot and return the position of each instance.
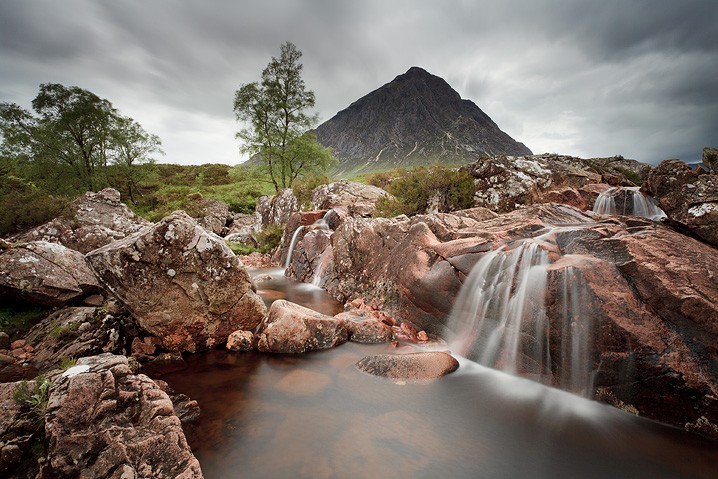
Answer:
(415, 119)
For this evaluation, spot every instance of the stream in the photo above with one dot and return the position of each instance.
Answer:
(316, 416)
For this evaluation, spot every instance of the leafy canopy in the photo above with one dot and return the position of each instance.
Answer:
(70, 139)
(275, 112)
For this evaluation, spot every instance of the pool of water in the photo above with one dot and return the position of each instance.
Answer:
(317, 416)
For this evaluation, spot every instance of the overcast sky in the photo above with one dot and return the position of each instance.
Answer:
(583, 77)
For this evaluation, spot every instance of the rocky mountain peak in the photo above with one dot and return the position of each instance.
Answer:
(415, 119)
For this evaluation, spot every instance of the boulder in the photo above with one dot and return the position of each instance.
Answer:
(688, 197)
(275, 210)
(298, 223)
(412, 367)
(212, 215)
(240, 341)
(45, 273)
(357, 198)
(242, 229)
(291, 328)
(109, 422)
(92, 221)
(365, 328)
(74, 333)
(710, 159)
(181, 283)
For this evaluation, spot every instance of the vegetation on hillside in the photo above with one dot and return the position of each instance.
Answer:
(415, 191)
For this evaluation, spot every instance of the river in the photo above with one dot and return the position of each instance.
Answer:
(316, 416)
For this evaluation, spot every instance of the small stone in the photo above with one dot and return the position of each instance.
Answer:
(17, 344)
(240, 341)
(4, 340)
(94, 300)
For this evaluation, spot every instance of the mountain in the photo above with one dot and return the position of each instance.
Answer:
(416, 119)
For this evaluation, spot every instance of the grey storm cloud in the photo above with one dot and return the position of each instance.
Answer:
(578, 77)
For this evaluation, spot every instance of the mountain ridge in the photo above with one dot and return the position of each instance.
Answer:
(416, 119)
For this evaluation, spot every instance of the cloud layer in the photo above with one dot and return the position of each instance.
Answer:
(577, 77)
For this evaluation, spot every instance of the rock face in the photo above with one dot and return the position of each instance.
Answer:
(710, 159)
(290, 328)
(689, 197)
(182, 284)
(275, 210)
(110, 423)
(415, 119)
(18, 430)
(412, 367)
(504, 183)
(74, 333)
(45, 273)
(94, 220)
(648, 291)
(358, 199)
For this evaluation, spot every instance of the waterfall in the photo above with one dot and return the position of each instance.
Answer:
(293, 243)
(501, 320)
(640, 204)
(606, 202)
(322, 266)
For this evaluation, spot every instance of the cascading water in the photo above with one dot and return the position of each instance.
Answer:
(639, 204)
(292, 244)
(322, 266)
(500, 316)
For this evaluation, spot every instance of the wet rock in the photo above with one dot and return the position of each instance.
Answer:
(357, 198)
(45, 273)
(300, 219)
(412, 367)
(240, 341)
(93, 220)
(4, 340)
(181, 284)
(310, 255)
(108, 421)
(74, 333)
(689, 198)
(146, 346)
(275, 210)
(364, 328)
(290, 328)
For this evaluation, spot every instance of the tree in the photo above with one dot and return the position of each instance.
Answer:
(71, 139)
(276, 111)
(132, 147)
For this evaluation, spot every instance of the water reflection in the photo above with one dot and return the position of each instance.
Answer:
(316, 416)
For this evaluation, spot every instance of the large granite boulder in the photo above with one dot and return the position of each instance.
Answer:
(291, 328)
(45, 273)
(275, 210)
(181, 283)
(108, 422)
(359, 199)
(688, 197)
(93, 220)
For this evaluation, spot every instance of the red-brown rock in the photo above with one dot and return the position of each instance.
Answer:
(413, 367)
(365, 328)
(291, 328)
(181, 284)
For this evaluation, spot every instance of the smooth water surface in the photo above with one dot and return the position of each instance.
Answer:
(316, 416)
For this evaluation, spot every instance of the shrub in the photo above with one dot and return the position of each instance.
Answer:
(23, 206)
(415, 189)
(269, 238)
(34, 397)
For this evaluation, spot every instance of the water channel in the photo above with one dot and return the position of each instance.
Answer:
(316, 416)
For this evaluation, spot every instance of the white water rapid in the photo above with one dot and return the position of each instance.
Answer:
(639, 204)
(501, 320)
